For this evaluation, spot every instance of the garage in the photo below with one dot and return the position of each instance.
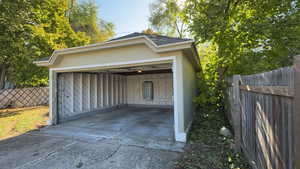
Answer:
(105, 90)
(136, 72)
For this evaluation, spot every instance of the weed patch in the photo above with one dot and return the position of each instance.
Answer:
(207, 149)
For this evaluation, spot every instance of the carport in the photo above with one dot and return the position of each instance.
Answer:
(136, 70)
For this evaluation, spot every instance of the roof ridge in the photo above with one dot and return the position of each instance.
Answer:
(136, 34)
(165, 36)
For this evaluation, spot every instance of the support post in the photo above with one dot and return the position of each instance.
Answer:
(236, 112)
(53, 120)
(296, 116)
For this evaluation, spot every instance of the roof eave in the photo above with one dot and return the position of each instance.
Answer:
(104, 45)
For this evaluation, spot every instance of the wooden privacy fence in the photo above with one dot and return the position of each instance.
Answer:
(24, 97)
(265, 115)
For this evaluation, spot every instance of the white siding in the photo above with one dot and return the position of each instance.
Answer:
(162, 85)
(189, 91)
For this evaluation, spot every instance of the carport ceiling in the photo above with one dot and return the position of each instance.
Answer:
(146, 69)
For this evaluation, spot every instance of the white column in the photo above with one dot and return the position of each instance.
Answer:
(52, 98)
(180, 134)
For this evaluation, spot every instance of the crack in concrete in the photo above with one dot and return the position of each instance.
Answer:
(113, 153)
(143, 146)
(36, 161)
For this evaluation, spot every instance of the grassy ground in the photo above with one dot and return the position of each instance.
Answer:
(207, 149)
(17, 121)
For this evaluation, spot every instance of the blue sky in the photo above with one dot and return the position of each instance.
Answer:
(127, 15)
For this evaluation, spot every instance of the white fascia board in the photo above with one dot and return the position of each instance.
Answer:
(112, 44)
(116, 64)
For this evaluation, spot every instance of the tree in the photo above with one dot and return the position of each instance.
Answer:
(246, 36)
(70, 5)
(84, 18)
(167, 18)
(264, 31)
(33, 29)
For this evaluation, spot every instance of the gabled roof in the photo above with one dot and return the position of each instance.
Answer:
(158, 43)
(157, 39)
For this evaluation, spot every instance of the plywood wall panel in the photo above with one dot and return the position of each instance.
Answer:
(162, 85)
(85, 92)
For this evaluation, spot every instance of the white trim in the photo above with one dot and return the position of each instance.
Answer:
(111, 44)
(51, 98)
(180, 137)
(117, 64)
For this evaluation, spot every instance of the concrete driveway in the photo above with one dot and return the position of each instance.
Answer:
(129, 138)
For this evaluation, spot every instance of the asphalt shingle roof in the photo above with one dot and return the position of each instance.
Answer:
(44, 59)
(157, 39)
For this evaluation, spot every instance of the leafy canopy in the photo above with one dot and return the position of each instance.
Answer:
(242, 37)
(233, 37)
(32, 29)
(167, 18)
(251, 36)
(84, 18)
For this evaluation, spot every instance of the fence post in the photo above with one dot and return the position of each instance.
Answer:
(296, 122)
(236, 114)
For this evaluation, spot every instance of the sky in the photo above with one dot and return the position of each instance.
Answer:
(128, 16)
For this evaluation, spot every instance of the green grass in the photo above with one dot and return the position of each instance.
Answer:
(207, 149)
(16, 121)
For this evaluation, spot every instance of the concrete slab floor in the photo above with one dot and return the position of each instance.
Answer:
(128, 138)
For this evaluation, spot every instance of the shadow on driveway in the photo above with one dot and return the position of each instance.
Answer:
(130, 140)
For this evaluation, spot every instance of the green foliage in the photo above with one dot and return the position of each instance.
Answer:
(208, 97)
(84, 18)
(241, 37)
(252, 36)
(167, 18)
(32, 29)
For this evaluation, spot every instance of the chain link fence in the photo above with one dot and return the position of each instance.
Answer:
(24, 97)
